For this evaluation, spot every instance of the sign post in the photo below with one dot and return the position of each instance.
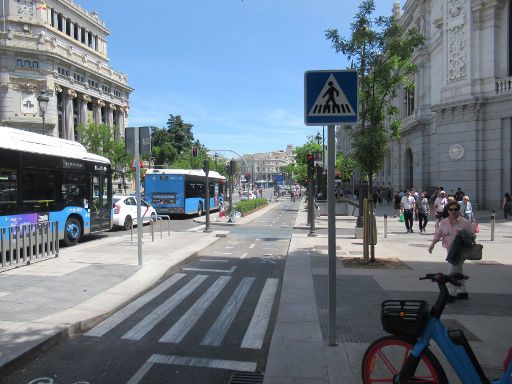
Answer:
(330, 97)
(138, 140)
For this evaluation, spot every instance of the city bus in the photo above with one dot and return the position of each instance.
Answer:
(182, 191)
(44, 178)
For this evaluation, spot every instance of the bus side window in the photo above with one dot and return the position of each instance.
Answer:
(39, 190)
(8, 191)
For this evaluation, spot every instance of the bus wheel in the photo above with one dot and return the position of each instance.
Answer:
(128, 222)
(200, 210)
(72, 231)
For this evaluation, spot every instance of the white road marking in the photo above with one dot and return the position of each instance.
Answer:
(252, 245)
(180, 329)
(230, 270)
(220, 327)
(222, 253)
(159, 313)
(244, 255)
(133, 307)
(195, 229)
(230, 247)
(233, 365)
(255, 333)
(215, 260)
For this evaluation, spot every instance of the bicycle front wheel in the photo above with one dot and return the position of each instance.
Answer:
(384, 358)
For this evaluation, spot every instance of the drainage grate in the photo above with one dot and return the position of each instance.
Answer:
(246, 378)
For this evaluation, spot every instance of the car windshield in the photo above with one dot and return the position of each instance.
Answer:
(115, 200)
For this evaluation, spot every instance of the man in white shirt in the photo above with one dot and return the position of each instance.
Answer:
(407, 207)
(439, 205)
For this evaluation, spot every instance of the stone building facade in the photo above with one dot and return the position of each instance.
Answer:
(57, 47)
(456, 126)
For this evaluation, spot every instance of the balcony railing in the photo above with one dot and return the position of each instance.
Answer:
(504, 85)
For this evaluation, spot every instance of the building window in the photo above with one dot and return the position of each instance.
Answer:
(78, 78)
(27, 64)
(83, 36)
(68, 27)
(89, 39)
(63, 71)
(59, 22)
(75, 31)
(105, 88)
(117, 93)
(53, 18)
(35, 65)
(409, 102)
(93, 83)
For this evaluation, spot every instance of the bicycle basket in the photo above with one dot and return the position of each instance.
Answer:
(405, 318)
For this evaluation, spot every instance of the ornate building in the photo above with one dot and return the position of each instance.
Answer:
(457, 123)
(58, 48)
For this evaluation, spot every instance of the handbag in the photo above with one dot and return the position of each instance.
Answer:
(402, 218)
(472, 253)
(476, 226)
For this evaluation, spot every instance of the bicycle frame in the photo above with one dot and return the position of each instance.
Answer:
(458, 354)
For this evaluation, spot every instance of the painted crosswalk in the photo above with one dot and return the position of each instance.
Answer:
(205, 289)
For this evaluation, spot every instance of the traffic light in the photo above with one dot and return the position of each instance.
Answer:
(206, 166)
(194, 151)
(232, 167)
(311, 161)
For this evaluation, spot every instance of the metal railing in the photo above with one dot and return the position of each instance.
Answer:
(151, 221)
(20, 244)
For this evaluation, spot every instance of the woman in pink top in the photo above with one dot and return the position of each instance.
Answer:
(446, 232)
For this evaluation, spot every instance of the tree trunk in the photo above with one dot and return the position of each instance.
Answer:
(371, 226)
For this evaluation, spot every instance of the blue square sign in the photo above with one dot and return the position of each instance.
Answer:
(330, 97)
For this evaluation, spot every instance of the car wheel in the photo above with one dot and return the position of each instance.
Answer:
(200, 210)
(72, 231)
(128, 222)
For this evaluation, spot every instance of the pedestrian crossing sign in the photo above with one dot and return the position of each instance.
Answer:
(330, 97)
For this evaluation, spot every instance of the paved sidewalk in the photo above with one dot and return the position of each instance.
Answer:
(299, 352)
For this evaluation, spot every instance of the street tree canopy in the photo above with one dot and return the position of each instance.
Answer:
(381, 51)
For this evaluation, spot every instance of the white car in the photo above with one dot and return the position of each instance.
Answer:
(125, 211)
(247, 195)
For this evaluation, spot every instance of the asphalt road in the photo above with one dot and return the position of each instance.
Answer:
(211, 319)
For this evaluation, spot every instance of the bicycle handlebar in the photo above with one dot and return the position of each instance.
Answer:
(443, 278)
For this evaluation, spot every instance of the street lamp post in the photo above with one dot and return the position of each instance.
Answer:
(43, 100)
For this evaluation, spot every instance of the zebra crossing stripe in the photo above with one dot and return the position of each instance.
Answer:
(133, 307)
(220, 327)
(234, 365)
(180, 329)
(255, 333)
(159, 313)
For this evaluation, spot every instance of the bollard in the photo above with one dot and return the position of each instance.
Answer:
(385, 226)
(493, 220)
(152, 230)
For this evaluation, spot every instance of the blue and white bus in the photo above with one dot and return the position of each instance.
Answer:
(44, 178)
(182, 191)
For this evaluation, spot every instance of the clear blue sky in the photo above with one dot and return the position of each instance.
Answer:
(232, 68)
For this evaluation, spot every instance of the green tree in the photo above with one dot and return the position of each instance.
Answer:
(300, 169)
(180, 133)
(345, 164)
(101, 140)
(381, 51)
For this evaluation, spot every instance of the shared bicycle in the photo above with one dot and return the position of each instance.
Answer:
(405, 357)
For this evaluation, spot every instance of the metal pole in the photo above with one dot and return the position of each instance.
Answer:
(43, 122)
(493, 222)
(312, 228)
(207, 205)
(385, 225)
(137, 194)
(331, 225)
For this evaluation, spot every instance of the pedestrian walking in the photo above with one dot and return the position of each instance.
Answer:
(507, 205)
(466, 208)
(397, 199)
(439, 204)
(446, 232)
(407, 205)
(422, 211)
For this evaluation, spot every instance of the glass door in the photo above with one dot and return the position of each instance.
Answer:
(101, 207)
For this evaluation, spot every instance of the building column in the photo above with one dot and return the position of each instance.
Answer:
(97, 111)
(110, 115)
(69, 126)
(121, 119)
(84, 99)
